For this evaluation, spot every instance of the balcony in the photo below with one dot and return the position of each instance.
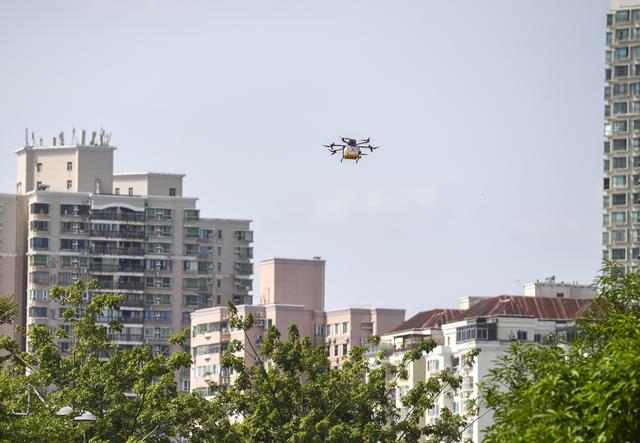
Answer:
(126, 337)
(139, 235)
(118, 216)
(97, 250)
(138, 286)
(116, 268)
(133, 300)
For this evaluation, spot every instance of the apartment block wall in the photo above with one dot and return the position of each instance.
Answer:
(12, 258)
(292, 281)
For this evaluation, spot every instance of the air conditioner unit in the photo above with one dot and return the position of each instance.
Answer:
(258, 322)
(74, 262)
(159, 249)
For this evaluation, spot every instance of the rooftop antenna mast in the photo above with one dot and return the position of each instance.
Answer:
(26, 137)
(74, 139)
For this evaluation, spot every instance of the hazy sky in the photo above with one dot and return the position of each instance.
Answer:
(489, 113)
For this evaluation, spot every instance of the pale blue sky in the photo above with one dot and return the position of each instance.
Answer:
(489, 114)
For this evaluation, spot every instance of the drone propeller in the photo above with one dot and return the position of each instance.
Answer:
(329, 146)
(365, 140)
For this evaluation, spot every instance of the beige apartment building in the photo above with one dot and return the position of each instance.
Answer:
(291, 292)
(137, 234)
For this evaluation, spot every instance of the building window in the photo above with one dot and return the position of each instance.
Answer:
(606, 165)
(619, 162)
(345, 327)
(619, 181)
(619, 126)
(39, 167)
(619, 199)
(619, 218)
(130, 191)
(345, 349)
(618, 254)
(117, 191)
(622, 16)
(621, 54)
(622, 34)
(605, 238)
(69, 166)
(621, 70)
(620, 144)
(619, 235)
(68, 185)
(336, 350)
(172, 192)
(620, 108)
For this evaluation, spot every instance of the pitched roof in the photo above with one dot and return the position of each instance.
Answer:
(544, 308)
(429, 319)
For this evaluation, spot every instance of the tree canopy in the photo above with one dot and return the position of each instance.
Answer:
(290, 394)
(584, 391)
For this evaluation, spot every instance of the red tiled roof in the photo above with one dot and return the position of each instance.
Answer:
(429, 319)
(545, 308)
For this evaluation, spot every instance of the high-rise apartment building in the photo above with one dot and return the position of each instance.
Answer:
(73, 218)
(621, 184)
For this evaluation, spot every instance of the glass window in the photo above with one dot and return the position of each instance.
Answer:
(635, 217)
(619, 199)
(605, 219)
(636, 15)
(620, 89)
(607, 92)
(172, 192)
(621, 71)
(609, 38)
(620, 144)
(39, 208)
(619, 162)
(69, 166)
(622, 16)
(605, 183)
(619, 181)
(607, 147)
(605, 238)
(609, 19)
(622, 34)
(619, 218)
(192, 214)
(619, 126)
(38, 260)
(607, 110)
(621, 54)
(605, 201)
(69, 184)
(40, 243)
(620, 108)
(608, 57)
(345, 327)
(618, 253)
(635, 88)
(619, 235)
(345, 349)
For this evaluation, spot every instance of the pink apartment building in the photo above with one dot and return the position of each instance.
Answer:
(291, 292)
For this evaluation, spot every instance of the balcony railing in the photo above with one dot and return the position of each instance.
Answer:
(117, 216)
(121, 285)
(116, 251)
(115, 268)
(119, 234)
(133, 300)
(126, 337)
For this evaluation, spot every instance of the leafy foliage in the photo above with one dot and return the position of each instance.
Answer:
(586, 391)
(291, 394)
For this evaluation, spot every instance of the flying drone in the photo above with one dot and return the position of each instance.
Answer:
(350, 148)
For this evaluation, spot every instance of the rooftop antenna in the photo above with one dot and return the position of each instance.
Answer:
(74, 140)
(54, 141)
(101, 136)
(33, 138)
(84, 134)
(26, 137)
(61, 138)
(108, 138)
(93, 138)
(40, 141)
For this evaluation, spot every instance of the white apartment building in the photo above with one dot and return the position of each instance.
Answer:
(492, 325)
(73, 218)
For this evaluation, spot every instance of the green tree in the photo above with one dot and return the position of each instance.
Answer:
(586, 391)
(132, 392)
(291, 394)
